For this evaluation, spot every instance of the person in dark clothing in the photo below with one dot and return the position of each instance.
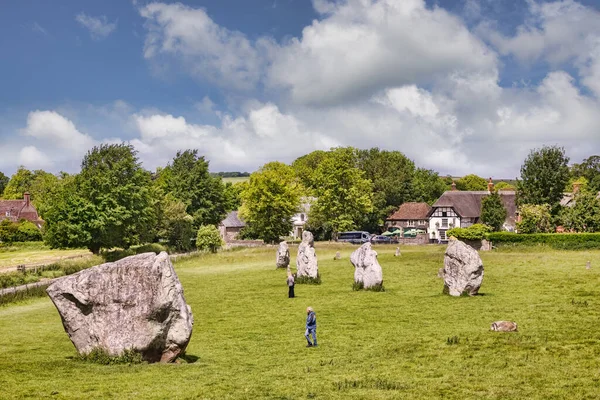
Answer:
(290, 283)
(311, 327)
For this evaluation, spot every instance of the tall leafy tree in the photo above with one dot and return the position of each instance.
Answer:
(427, 186)
(37, 183)
(493, 212)
(544, 175)
(391, 174)
(590, 170)
(344, 196)
(306, 165)
(108, 204)
(534, 219)
(584, 215)
(270, 199)
(471, 182)
(187, 179)
(176, 225)
(3, 182)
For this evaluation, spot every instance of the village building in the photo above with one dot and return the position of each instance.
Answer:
(462, 209)
(409, 215)
(300, 218)
(231, 226)
(17, 210)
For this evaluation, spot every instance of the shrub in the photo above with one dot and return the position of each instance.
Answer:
(474, 232)
(208, 239)
(150, 248)
(559, 241)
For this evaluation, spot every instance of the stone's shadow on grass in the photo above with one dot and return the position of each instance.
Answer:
(187, 358)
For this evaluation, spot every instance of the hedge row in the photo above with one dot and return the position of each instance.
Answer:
(562, 241)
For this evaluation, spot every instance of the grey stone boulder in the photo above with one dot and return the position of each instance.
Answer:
(366, 267)
(135, 304)
(306, 261)
(463, 269)
(283, 255)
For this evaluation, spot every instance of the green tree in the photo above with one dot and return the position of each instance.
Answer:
(343, 195)
(590, 170)
(37, 183)
(472, 182)
(108, 204)
(305, 167)
(544, 175)
(427, 186)
(208, 238)
(391, 174)
(535, 218)
(233, 195)
(493, 212)
(584, 215)
(188, 180)
(3, 182)
(176, 225)
(269, 201)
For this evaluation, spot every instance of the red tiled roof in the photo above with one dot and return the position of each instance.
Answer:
(410, 211)
(16, 210)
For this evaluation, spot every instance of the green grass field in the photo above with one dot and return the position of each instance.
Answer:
(34, 253)
(236, 179)
(249, 344)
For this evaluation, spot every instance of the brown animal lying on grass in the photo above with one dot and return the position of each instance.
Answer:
(504, 326)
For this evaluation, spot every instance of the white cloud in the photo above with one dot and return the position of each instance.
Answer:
(99, 27)
(207, 50)
(30, 157)
(362, 46)
(57, 131)
(557, 32)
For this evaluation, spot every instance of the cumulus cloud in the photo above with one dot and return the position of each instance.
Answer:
(556, 32)
(362, 46)
(55, 130)
(32, 158)
(206, 50)
(99, 27)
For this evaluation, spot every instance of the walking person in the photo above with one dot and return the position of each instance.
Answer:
(311, 327)
(290, 283)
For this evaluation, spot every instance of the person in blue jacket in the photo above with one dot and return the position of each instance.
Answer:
(311, 327)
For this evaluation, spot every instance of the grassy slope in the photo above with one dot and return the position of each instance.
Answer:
(248, 335)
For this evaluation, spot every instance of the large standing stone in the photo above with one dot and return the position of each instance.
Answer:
(463, 269)
(133, 304)
(367, 269)
(283, 255)
(306, 262)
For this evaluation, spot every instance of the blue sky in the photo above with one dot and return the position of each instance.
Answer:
(461, 86)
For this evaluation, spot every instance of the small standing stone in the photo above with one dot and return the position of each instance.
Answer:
(338, 256)
(504, 326)
(283, 255)
(397, 254)
(588, 265)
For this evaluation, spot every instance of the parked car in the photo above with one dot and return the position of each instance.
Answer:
(380, 239)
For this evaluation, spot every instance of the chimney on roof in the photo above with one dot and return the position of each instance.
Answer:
(490, 186)
(576, 187)
(453, 185)
(26, 197)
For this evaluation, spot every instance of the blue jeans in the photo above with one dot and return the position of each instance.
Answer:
(312, 332)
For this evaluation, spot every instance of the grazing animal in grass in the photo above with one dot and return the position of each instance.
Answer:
(504, 326)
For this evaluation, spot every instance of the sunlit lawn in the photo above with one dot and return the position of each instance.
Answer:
(248, 336)
(34, 254)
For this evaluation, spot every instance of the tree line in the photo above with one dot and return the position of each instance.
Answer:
(114, 202)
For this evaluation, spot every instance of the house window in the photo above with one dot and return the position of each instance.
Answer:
(8, 213)
(410, 222)
(444, 214)
(443, 235)
(302, 217)
(444, 222)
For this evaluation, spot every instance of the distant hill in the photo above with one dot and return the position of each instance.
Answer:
(231, 174)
